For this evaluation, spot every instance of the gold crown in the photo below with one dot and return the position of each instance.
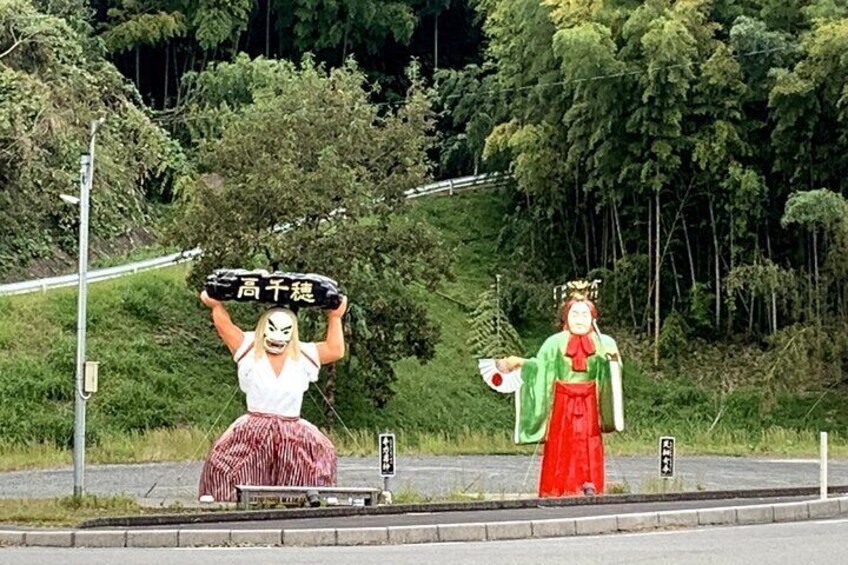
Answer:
(581, 289)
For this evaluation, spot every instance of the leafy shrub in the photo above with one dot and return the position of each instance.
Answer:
(674, 336)
(146, 300)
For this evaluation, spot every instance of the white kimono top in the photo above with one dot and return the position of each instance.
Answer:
(270, 393)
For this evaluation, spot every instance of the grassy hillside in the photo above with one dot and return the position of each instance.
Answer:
(162, 366)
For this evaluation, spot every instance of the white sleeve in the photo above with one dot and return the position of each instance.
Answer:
(310, 362)
(246, 344)
(246, 360)
(245, 371)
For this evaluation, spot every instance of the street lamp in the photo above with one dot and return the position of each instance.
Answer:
(80, 396)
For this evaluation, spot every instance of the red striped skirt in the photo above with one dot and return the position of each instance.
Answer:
(267, 450)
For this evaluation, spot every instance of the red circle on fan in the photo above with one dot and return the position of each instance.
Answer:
(497, 379)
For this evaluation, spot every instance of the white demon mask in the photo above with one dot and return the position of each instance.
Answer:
(278, 332)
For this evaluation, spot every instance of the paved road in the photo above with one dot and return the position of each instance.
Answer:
(810, 543)
(432, 476)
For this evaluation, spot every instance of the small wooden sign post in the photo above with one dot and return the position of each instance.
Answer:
(388, 460)
(666, 458)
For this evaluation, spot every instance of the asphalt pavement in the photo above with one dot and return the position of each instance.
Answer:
(165, 483)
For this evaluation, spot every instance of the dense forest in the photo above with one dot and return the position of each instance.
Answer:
(692, 154)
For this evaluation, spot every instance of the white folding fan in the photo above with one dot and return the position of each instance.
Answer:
(502, 382)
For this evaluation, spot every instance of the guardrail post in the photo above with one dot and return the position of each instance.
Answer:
(450, 187)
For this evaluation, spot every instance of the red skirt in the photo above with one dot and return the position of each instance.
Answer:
(267, 450)
(574, 452)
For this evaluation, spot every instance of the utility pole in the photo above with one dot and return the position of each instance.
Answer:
(80, 397)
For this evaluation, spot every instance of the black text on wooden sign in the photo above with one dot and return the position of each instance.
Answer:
(387, 455)
(666, 457)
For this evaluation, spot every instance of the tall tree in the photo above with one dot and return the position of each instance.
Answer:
(54, 80)
(309, 175)
(348, 27)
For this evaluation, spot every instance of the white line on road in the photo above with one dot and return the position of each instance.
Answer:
(804, 461)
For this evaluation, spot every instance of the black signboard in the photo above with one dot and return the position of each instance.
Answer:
(387, 455)
(291, 290)
(666, 457)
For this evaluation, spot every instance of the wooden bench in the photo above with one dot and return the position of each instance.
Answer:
(247, 494)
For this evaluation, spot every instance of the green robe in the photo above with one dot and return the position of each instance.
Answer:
(533, 399)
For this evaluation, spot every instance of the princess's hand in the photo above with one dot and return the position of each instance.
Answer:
(509, 364)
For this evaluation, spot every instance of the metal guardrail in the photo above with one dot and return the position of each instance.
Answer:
(449, 187)
(460, 184)
(99, 274)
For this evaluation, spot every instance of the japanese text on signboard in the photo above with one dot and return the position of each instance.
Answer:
(666, 457)
(299, 291)
(387, 455)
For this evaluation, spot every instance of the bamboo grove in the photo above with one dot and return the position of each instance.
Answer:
(692, 154)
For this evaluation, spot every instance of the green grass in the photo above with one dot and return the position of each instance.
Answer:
(66, 511)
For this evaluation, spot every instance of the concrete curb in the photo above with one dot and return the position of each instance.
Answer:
(182, 519)
(395, 535)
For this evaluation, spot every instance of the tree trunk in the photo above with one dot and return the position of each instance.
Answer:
(436, 43)
(344, 41)
(732, 254)
(167, 72)
(816, 274)
(689, 251)
(717, 268)
(177, 75)
(138, 68)
(593, 240)
(188, 66)
(751, 315)
(665, 250)
(583, 213)
(657, 279)
(605, 239)
(330, 396)
(676, 278)
(647, 312)
(268, 29)
(773, 311)
(532, 232)
(773, 318)
(205, 59)
(617, 229)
